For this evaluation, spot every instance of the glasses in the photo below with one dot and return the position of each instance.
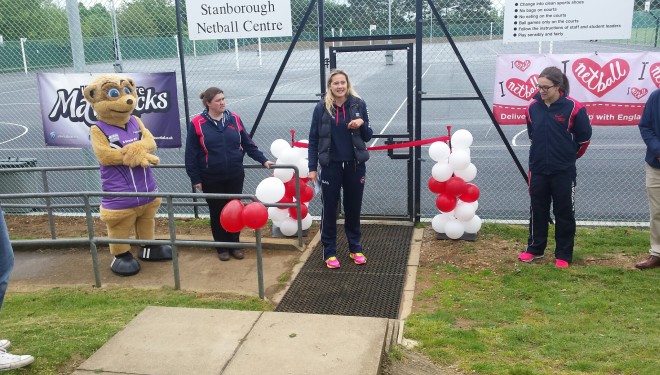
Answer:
(544, 88)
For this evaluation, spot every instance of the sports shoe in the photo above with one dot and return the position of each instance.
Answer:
(332, 262)
(4, 344)
(358, 258)
(561, 263)
(10, 361)
(528, 257)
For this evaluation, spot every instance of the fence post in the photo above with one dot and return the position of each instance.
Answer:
(23, 53)
(238, 67)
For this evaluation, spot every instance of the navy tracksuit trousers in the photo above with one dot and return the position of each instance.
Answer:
(558, 189)
(337, 175)
(233, 186)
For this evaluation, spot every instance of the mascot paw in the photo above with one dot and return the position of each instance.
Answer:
(125, 265)
(152, 159)
(134, 156)
(155, 253)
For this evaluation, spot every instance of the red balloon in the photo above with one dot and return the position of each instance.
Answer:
(304, 180)
(306, 193)
(286, 199)
(294, 213)
(471, 193)
(445, 202)
(290, 187)
(436, 186)
(231, 217)
(455, 186)
(255, 215)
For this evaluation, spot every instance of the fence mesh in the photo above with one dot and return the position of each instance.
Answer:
(140, 36)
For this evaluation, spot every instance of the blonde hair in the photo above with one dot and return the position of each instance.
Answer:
(329, 98)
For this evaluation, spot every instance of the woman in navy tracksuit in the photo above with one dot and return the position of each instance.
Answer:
(337, 136)
(215, 146)
(559, 131)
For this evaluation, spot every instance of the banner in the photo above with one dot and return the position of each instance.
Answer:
(67, 116)
(612, 86)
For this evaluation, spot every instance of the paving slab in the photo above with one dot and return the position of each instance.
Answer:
(170, 340)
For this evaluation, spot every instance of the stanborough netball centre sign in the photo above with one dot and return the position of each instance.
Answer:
(229, 19)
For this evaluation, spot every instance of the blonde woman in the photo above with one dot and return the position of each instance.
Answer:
(337, 142)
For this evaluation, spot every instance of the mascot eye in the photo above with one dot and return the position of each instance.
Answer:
(127, 90)
(113, 93)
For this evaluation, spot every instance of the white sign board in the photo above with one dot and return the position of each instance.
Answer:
(229, 19)
(536, 20)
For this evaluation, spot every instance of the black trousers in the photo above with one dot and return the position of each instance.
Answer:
(233, 186)
(349, 177)
(558, 189)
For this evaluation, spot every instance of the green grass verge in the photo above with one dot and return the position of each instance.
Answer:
(61, 327)
(537, 319)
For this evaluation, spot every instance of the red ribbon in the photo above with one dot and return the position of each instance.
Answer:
(393, 146)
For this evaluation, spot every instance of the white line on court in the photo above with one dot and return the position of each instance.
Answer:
(25, 130)
(515, 137)
(1, 104)
(25, 89)
(397, 111)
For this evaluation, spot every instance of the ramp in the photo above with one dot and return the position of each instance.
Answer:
(370, 290)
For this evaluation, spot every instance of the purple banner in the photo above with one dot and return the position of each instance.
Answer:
(67, 116)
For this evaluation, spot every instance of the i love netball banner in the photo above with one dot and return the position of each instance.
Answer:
(612, 86)
(67, 116)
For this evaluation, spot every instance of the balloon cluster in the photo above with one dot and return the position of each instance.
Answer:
(281, 188)
(457, 197)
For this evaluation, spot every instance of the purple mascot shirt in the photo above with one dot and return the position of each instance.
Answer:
(121, 178)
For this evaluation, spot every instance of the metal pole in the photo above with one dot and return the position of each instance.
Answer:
(260, 264)
(321, 46)
(23, 53)
(75, 34)
(51, 220)
(238, 66)
(92, 241)
(115, 37)
(175, 253)
(418, 106)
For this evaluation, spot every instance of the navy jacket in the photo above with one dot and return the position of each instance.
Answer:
(559, 134)
(215, 150)
(649, 126)
(331, 140)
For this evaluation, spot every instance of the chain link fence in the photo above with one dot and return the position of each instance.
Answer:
(141, 36)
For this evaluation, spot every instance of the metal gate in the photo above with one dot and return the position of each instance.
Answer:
(390, 177)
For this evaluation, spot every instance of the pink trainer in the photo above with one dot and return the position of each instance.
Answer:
(528, 257)
(358, 258)
(560, 263)
(332, 262)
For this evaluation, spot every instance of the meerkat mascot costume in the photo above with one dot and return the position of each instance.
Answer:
(123, 147)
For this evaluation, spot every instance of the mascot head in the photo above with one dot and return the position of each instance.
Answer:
(113, 98)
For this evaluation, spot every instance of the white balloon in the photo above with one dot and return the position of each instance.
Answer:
(270, 190)
(289, 156)
(439, 221)
(454, 229)
(277, 214)
(283, 174)
(468, 174)
(441, 172)
(439, 151)
(303, 167)
(473, 225)
(278, 146)
(307, 222)
(459, 159)
(289, 227)
(461, 139)
(302, 151)
(475, 204)
(464, 211)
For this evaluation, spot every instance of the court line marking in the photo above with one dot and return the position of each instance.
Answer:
(515, 137)
(397, 110)
(22, 126)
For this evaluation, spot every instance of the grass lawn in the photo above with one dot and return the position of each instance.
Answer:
(596, 317)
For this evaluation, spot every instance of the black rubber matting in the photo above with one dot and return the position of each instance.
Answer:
(373, 289)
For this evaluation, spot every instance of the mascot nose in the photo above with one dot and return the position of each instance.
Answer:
(129, 101)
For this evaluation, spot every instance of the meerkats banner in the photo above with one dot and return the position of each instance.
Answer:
(67, 116)
(612, 86)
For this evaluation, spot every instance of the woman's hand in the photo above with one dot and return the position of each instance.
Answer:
(268, 164)
(355, 124)
(312, 177)
(198, 187)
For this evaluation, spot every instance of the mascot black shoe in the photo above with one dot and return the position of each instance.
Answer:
(125, 265)
(155, 253)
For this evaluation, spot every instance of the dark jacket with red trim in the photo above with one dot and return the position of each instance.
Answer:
(215, 149)
(649, 127)
(329, 136)
(559, 134)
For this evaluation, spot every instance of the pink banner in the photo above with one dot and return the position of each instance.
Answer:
(613, 87)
